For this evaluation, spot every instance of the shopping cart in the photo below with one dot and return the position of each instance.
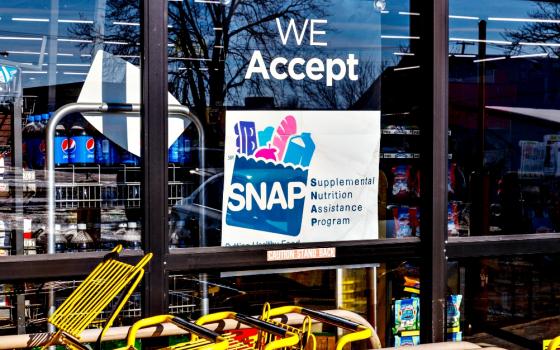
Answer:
(356, 331)
(267, 337)
(111, 278)
(201, 338)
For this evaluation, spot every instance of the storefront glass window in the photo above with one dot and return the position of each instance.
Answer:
(374, 293)
(293, 97)
(511, 302)
(503, 117)
(53, 54)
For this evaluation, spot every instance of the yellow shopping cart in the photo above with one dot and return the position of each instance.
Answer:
(201, 338)
(111, 278)
(268, 336)
(357, 331)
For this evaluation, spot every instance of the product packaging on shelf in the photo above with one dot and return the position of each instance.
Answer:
(407, 340)
(407, 315)
(454, 317)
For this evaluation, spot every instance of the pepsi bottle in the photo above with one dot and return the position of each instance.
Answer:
(81, 150)
(40, 143)
(179, 152)
(27, 136)
(61, 145)
(105, 152)
(128, 158)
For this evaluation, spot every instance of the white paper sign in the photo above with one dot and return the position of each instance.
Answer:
(300, 176)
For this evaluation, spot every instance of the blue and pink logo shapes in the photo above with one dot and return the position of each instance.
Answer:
(282, 145)
(269, 177)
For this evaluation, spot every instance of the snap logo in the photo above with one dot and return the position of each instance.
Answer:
(269, 180)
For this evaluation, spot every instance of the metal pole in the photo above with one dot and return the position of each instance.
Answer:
(64, 111)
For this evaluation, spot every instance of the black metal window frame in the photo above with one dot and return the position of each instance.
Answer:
(433, 250)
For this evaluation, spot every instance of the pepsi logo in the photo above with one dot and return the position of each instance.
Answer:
(71, 146)
(90, 145)
(65, 145)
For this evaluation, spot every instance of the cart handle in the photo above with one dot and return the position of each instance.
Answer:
(334, 320)
(268, 327)
(195, 329)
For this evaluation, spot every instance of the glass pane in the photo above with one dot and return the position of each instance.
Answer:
(52, 54)
(365, 293)
(31, 300)
(293, 97)
(511, 302)
(503, 176)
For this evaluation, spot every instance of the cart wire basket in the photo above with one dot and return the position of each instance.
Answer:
(356, 331)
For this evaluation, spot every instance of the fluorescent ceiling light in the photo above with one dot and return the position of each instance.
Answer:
(465, 17)
(36, 53)
(406, 68)
(116, 43)
(462, 55)
(73, 64)
(75, 41)
(403, 54)
(20, 38)
(74, 73)
(33, 72)
(499, 42)
(404, 13)
(80, 21)
(126, 24)
(26, 19)
(384, 12)
(190, 59)
(531, 20)
(128, 56)
(399, 37)
(490, 59)
(531, 55)
(541, 44)
(85, 55)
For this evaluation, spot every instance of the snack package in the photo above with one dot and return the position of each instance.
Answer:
(401, 180)
(454, 311)
(412, 284)
(455, 336)
(407, 314)
(407, 340)
(452, 219)
(406, 222)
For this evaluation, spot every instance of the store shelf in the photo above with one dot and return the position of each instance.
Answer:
(401, 131)
(400, 155)
(405, 156)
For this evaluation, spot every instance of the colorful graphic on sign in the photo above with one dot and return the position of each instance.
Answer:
(300, 176)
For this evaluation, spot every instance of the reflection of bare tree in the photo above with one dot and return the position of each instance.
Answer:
(547, 31)
(345, 93)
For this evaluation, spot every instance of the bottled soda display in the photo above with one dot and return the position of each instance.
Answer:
(82, 241)
(82, 147)
(132, 238)
(180, 151)
(61, 145)
(60, 242)
(105, 152)
(29, 141)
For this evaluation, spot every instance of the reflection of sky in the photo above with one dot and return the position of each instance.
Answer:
(22, 39)
(496, 30)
